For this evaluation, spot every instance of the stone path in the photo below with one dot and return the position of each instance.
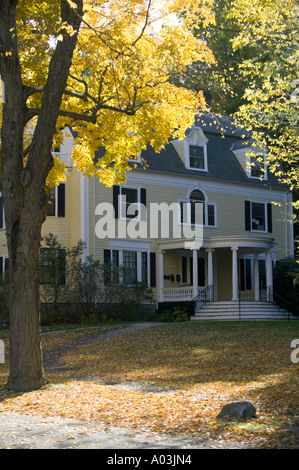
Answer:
(27, 432)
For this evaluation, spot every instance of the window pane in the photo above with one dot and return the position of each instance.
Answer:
(257, 166)
(211, 215)
(258, 216)
(197, 213)
(196, 156)
(115, 265)
(130, 266)
(129, 196)
(197, 195)
(51, 196)
(144, 267)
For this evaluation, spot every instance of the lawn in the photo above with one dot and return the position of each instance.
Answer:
(175, 378)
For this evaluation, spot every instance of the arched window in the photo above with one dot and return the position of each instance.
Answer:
(190, 214)
(197, 197)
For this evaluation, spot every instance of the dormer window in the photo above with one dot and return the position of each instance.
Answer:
(196, 157)
(196, 150)
(258, 168)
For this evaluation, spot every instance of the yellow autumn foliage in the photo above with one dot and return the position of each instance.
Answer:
(118, 93)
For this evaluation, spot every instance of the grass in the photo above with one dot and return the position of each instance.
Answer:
(175, 378)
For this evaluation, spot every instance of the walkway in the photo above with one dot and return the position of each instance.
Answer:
(27, 432)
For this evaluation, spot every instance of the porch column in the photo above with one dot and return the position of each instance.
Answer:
(256, 278)
(269, 275)
(195, 272)
(210, 267)
(235, 273)
(161, 274)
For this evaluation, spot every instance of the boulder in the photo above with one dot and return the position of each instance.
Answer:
(239, 410)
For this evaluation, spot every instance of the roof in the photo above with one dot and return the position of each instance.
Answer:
(223, 137)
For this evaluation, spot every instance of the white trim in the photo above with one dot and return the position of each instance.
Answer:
(136, 160)
(186, 181)
(130, 245)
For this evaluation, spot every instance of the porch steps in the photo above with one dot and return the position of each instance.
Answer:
(249, 311)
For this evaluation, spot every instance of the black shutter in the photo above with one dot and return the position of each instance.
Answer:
(269, 214)
(115, 200)
(107, 268)
(61, 200)
(143, 196)
(247, 215)
(143, 202)
(1, 212)
(1, 266)
(153, 269)
(107, 257)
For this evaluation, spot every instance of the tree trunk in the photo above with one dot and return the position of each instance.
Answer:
(23, 188)
(26, 370)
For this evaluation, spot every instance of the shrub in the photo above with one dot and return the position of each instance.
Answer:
(285, 280)
(177, 314)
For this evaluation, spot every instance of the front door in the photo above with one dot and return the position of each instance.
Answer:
(200, 271)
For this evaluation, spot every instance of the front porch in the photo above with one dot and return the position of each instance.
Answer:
(221, 269)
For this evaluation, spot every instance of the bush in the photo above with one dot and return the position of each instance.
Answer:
(177, 314)
(285, 280)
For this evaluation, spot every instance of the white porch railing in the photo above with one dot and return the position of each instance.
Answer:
(171, 294)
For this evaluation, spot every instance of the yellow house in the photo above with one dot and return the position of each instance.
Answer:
(203, 221)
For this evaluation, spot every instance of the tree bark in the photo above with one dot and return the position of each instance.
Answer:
(23, 189)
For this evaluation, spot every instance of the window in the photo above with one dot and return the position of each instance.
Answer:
(129, 202)
(52, 266)
(258, 167)
(195, 150)
(56, 197)
(189, 213)
(135, 263)
(258, 216)
(144, 266)
(247, 272)
(196, 157)
(51, 193)
(130, 266)
(4, 266)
